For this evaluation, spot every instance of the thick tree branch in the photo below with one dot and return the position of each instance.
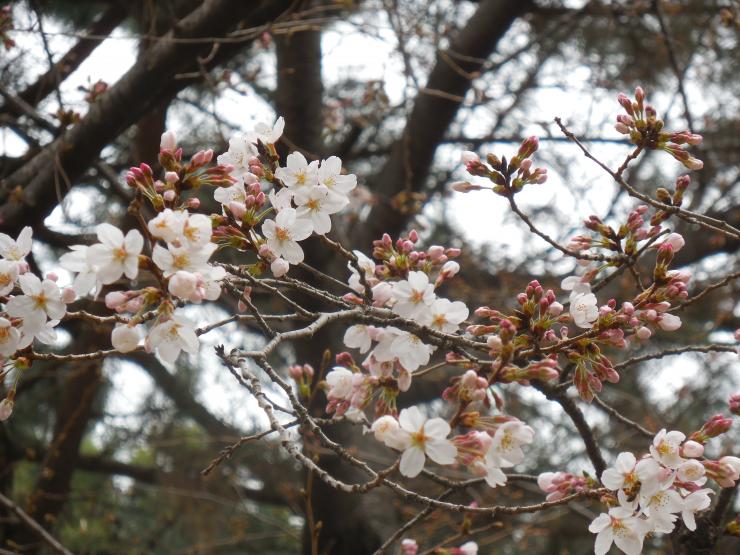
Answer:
(411, 157)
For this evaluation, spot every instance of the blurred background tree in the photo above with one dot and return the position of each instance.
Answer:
(110, 455)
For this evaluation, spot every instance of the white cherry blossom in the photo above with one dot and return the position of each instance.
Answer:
(384, 426)
(16, 249)
(197, 230)
(665, 500)
(172, 336)
(283, 234)
(410, 351)
(77, 261)
(506, 447)
(168, 225)
(39, 300)
(173, 259)
(359, 337)
(340, 382)
(330, 175)
(9, 338)
(8, 276)
(621, 527)
(298, 174)
(316, 205)
(584, 310)
(125, 338)
(692, 471)
(267, 134)
(413, 297)
(627, 472)
(693, 503)
(448, 315)
(241, 150)
(418, 438)
(116, 254)
(234, 193)
(666, 448)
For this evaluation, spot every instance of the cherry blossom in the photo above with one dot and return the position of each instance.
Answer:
(168, 225)
(9, 338)
(241, 150)
(116, 254)
(506, 448)
(413, 297)
(283, 234)
(172, 336)
(316, 206)
(40, 299)
(621, 527)
(421, 438)
(340, 381)
(16, 249)
(298, 175)
(267, 134)
(446, 316)
(693, 503)
(195, 260)
(628, 472)
(584, 310)
(666, 448)
(359, 337)
(125, 338)
(8, 276)
(234, 193)
(339, 186)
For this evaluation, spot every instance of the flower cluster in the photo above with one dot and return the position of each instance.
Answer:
(645, 130)
(649, 494)
(508, 178)
(409, 546)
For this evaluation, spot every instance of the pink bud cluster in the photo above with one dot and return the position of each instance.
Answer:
(399, 257)
(507, 177)
(561, 484)
(645, 130)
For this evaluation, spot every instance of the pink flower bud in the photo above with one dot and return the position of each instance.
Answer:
(68, 295)
(555, 309)
(494, 342)
(435, 251)
(676, 241)
(171, 177)
(115, 299)
(643, 332)
(295, 371)
(450, 269)
(468, 156)
(125, 338)
(669, 322)
(279, 267)
(469, 379)
(409, 547)
(692, 449)
(6, 409)
(735, 404)
(168, 141)
(622, 128)
(693, 163)
(169, 195)
(183, 284)
(237, 209)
